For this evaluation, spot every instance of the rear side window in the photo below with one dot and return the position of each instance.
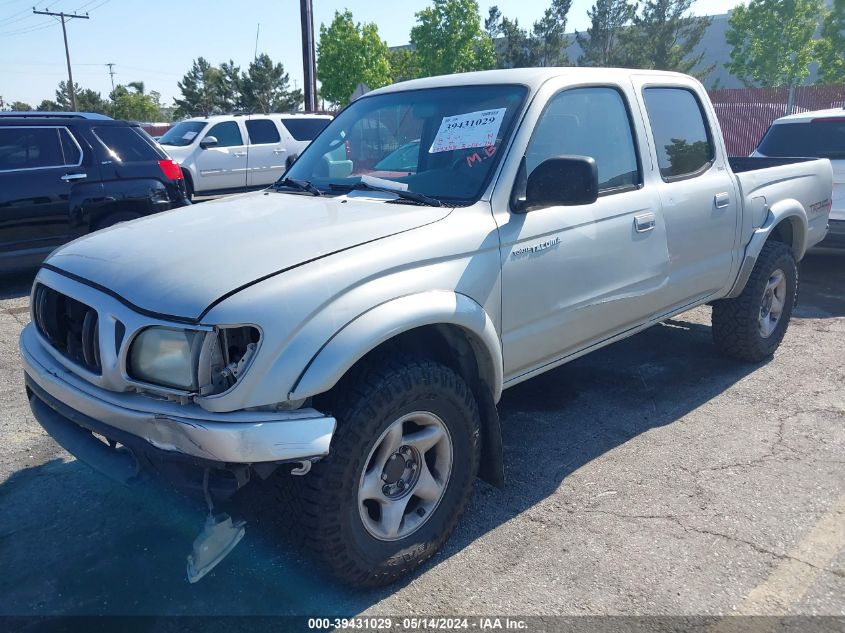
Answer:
(34, 147)
(126, 144)
(305, 129)
(228, 134)
(683, 140)
(822, 138)
(588, 122)
(70, 148)
(262, 131)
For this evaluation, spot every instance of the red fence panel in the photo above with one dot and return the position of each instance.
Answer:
(746, 113)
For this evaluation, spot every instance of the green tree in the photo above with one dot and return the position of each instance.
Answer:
(265, 87)
(48, 106)
(200, 88)
(87, 100)
(403, 64)
(133, 103)
(20, 106)
(831, 46)
(513, 45)
(600, 44)
(664, 36)
(448, 39)
(772, 41)
(349, 53)
(229, 87)
(549, 35)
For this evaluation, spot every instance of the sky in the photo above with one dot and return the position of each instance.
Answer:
(157, 43)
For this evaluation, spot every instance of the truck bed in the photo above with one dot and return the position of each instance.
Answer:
(740, 164)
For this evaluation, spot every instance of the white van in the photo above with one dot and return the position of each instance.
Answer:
(228, 153)
(818, 134)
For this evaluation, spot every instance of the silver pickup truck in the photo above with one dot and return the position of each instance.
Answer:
(350, 330)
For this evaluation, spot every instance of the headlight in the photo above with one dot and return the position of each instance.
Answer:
(204, 362)
(167, 356)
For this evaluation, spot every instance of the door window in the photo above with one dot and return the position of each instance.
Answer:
(228, 134)
(305, 129)
(30, 148)
(588, 122)
(70, 148)
(683, 140)
(262, 132)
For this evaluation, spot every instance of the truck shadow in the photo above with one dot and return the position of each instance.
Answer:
(16, 285)
(73, 543)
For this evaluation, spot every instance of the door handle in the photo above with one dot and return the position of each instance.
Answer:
(239, 154)
(644, 222)
(722, 200)
(278, 151)
(71, 177)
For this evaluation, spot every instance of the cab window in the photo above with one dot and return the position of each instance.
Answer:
(590, 122)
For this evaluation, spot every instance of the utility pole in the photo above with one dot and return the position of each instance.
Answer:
(111, 66)
(64, 17)
(309, 58)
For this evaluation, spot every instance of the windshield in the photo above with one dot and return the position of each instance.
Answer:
(182, 133)
(440, 142)
(822, 138)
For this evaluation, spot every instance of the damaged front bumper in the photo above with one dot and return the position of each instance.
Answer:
(141, 431)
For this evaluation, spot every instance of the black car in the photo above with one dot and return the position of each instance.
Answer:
(65, 174)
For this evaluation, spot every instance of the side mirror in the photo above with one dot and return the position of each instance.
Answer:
(562, 181)
(208, 141)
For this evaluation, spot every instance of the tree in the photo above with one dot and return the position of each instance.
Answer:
(87, 100)
(349, 53)
(230, 87)
(48, 106)
(513, 45)
(265, 87)
(600, 45)
(133, 103)
(549, 33)
(772, 41)
(831, 46)
(403, 64)
(200, 88)
(664, 36)
(448, 39)
(20, 106)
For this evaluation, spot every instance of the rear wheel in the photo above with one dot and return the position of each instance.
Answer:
(399, 476)
(752, 326)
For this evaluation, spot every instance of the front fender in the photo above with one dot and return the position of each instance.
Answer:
(387, 320)
(791, 211)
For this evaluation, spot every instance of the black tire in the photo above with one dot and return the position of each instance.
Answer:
(736, 326)
(327, 497)
(115, 218)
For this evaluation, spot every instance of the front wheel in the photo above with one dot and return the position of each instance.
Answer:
(399, 476)
(752, 326)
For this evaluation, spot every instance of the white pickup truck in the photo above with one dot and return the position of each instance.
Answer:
(350, 330)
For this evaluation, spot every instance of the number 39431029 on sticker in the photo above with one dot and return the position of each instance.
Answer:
(473, 129)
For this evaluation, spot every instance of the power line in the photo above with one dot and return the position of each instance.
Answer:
(64, 17)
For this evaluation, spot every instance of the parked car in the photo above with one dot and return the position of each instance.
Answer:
(818, 134)
(65, 174)
(350, 335)
(229, 153)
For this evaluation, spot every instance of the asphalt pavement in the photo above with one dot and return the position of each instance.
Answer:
(653, 477)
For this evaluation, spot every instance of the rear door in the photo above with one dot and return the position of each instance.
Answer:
(267, 153)
(223, 166)
(577, 275)
(39, 166)
(697, 189)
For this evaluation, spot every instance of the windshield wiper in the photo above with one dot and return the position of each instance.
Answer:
(405, 195)
(302, 185)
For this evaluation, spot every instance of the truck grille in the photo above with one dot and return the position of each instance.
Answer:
(69, 325)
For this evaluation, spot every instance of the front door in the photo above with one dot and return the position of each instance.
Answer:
(223, 166)
(577, 275)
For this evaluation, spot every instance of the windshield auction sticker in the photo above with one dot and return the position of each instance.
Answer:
(473, 129)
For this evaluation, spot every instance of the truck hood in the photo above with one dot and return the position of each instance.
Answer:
(179, 262)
